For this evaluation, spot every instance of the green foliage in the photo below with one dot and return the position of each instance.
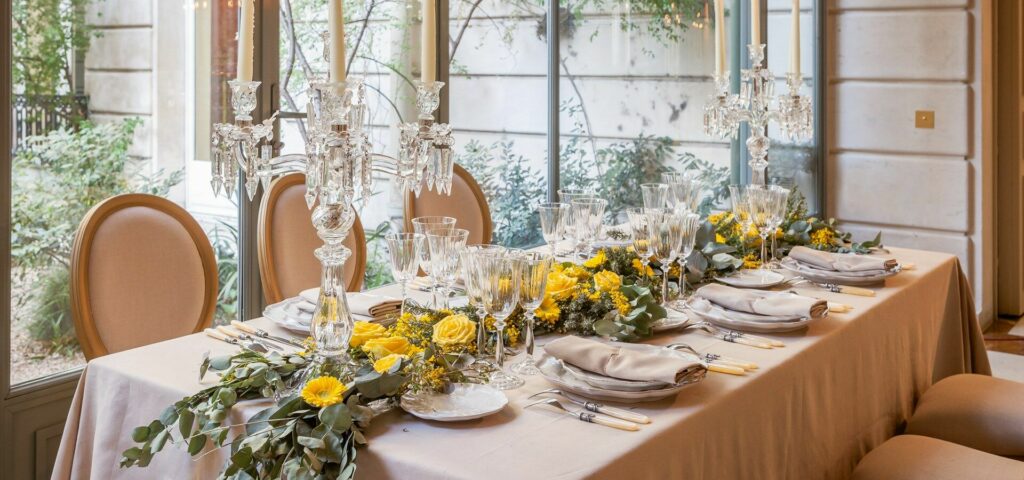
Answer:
(512, 188)
(45, 34)
(51, 320)
(627, 165)
(378, 266)
(224, 237)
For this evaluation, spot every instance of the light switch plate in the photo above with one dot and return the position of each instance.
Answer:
(924, 119)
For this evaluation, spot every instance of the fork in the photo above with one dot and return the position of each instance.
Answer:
(588, 417)
(246, 338)
(737, 337)
(597, 407)
(213, 333)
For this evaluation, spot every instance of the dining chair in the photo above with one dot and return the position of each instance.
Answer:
(286, 240)
(466, 203)
(976, 411)
(142, 271)
(913, 457)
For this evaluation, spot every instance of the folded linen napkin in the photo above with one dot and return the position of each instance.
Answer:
(614, 361)
(841, 262)
(361, 303)
(771, 304)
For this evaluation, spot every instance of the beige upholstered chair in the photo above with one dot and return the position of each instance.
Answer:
(913, 457)
(286, 240)
(975, 411)
(466, 203)
(142, 271)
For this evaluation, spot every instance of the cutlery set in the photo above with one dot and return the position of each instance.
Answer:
(251, 338)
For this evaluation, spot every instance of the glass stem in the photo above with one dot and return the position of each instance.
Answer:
(664, 283)
(529, 334)
(405, 287)
(433, 293)
(499, 345)
(774, 252)
(481, 331)
(764, 251)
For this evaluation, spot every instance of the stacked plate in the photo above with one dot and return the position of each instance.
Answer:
(573, 379)
(839, 268)
(747, 322)
(754, 310)
(293, 314)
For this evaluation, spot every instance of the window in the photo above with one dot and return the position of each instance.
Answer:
(85, 131)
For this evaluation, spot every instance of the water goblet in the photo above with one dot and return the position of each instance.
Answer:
(444, 258)
(690, 225)
(666, 240)
(778, 215)
(553, 217)
(533, 277)
(404, 250)
(760, 201)
(640, 231)
(501, 295)
(655, 195)
(475, 277)
(423, 225)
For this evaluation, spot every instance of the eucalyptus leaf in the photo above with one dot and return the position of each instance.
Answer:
(337, 417)
(220, 362)
(140, 434)
(196, 444)
(185, 420)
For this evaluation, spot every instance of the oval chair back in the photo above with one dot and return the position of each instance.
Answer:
(467, 204)
(286, 240)
(142, 271)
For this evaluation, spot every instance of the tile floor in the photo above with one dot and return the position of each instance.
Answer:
(1004, 340)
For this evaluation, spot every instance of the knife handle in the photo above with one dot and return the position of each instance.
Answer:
(836, 307)
(609, 422)
(215, 334)
(722, 368)
(243, 327)
(861, 292)
(227, 331)
(735, 362)
(624, 414)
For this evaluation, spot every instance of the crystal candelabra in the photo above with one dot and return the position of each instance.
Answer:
(754, 105)
(339, 166)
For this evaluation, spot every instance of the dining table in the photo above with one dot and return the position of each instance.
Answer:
(812, 409)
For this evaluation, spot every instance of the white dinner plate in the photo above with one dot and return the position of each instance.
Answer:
(821, 276)
(751, 278)
(278, 313)
(675, 320)
(747, 322)
(466, 401)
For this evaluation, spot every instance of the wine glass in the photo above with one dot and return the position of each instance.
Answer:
(444, 258)
(424, 225)
(553, 217)
(588, 215)
(475, 277)
(567, 196)
(760, 201)
(655, 195)
(640, 229)
(690, 225)
(685, 192)
(404, 253)
(666, 239)
(501, 295)
(533, 279)
(779, 210)
(740, 207)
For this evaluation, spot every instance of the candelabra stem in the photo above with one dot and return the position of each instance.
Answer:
(758, 144)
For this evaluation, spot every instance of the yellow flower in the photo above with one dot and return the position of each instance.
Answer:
(621, 303)
(607, 281)
(596, 260)
(363, 331)
(779, 233)
(576, 272)
(720, 239)
(384, 346)
(560, 285)
(639, 267)
(822, 238)
(323, 391)
(385, 363)
(751, 261)
(717, 218)
(453, 330)
(753, 232)
(548, 311)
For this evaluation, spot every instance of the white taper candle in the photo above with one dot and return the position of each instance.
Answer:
(755, 22)
(794, 41)
(428, 43)
(336, 27)
(246, 26)
(720, 37)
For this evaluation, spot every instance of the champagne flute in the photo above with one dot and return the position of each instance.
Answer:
(640, 229)
(552, 223)
(501, 295)
(533, 277)
(475, 277)
(666, 240)
(655, 195)
(404, 250)
(444, 258)
(424, 225)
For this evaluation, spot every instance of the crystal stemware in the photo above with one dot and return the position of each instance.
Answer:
(760, 201)
(778, 215)
(666, 240)
(501, 295)
(444, 258)
(690, 225)
(640, 230)
(655, 195)
(423, 225)
(533, 277)
(567, 196)
(588, 217)
(553, 217)
(475, 277)
(404, 253)
(684, 191)
(740, 207)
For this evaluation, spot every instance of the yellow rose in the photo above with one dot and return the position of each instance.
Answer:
(385, 363)
(560, 285)
(607, 281)
(548, 310)
(384, 346)
(363, 331)
(454, 330)
(596, 260)
(576, 272)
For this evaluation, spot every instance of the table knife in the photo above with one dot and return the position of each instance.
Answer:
(264, 334)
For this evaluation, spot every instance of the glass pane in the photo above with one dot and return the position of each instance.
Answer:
(498, 76)
(85, 130)
(792, 162)
(635, 77)
(380, 37)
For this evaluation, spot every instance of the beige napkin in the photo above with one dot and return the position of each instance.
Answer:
(841, 262)
(772, 304)
(362, 303)
(613, 361)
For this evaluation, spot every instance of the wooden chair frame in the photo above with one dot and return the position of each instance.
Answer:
(268, 276)
(81, 303)
(481, 199)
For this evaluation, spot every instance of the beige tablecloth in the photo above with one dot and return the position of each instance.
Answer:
(814, 408)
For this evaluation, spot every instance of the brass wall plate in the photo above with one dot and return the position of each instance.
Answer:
(924, 119)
